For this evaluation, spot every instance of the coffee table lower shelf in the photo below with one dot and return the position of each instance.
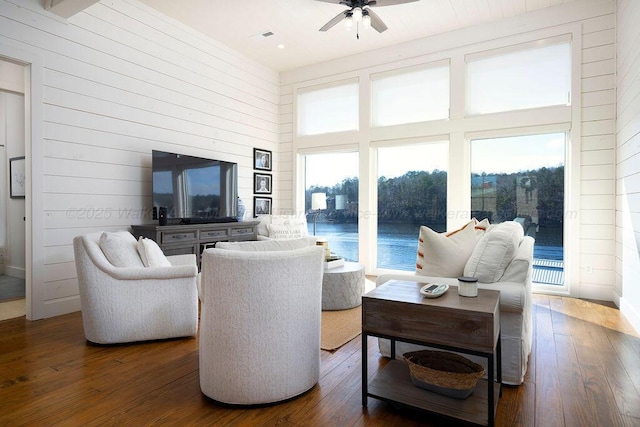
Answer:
(393, 383)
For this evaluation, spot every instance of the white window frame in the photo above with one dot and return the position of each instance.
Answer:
(458, 130)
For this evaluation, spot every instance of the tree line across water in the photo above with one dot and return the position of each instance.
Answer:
(420, 197)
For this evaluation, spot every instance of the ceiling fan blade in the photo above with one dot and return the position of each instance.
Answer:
(379, 3)
(339, 17)
(376, 22)
(336, 2)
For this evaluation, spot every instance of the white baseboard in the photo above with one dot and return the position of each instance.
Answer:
(597, 292)
(630, 313)
(14, 271)
(60, 306)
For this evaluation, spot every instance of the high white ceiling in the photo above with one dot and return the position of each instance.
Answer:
(296, 23)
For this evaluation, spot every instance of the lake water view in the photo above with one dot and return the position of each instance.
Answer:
(398, 243)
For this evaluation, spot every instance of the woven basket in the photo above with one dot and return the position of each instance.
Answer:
(443, 372)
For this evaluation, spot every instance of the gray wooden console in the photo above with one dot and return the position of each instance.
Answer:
(194, 238)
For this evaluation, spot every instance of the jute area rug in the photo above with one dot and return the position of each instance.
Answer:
(339, 327)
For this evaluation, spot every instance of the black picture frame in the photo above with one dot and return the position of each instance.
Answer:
(262, 206)
(262, 159)
(262, 183)
(17, 177)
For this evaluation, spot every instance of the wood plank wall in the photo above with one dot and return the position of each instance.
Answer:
(628, 159)
(120, 79)
(595, 269)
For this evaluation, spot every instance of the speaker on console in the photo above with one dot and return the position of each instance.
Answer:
(162, 216)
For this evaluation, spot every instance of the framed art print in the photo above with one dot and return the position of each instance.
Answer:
(262, 205)
(262, 159)
(262, 183)
(17, 177)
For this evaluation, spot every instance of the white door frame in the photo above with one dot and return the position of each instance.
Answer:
(34, 209)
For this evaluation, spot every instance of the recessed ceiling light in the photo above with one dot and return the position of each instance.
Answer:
(280, 46)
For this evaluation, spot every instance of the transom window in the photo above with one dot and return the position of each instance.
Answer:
(410, 97)
(526, 79)
(337, 107)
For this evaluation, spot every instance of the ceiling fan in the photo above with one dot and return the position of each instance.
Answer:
(360, 12)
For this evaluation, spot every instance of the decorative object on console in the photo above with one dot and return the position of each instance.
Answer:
(467, 286)
(162, 216)
(262, 159)
(241, 209)
(318, 203)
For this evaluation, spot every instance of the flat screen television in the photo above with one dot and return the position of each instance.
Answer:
(194, 190)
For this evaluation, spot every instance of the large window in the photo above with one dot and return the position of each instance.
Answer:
(524, 183)
(410, 97)
(518, 80)
(337, 107)
(412, 191)
(336, 176)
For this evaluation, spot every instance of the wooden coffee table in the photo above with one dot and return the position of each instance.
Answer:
(397, 311)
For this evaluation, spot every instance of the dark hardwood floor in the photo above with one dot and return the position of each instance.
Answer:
(584, 371)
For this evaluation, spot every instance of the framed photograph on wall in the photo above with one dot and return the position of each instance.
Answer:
(261, 206)
(262, 183)
(261, 159)
(17, 173)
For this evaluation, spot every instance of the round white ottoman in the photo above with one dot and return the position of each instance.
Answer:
(342, 287)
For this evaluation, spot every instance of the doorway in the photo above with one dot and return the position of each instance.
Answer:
(13, 271)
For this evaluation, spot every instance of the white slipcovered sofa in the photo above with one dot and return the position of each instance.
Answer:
(501, 257)
(124, 298)
(260, 320)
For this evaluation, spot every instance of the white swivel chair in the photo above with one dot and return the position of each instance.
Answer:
(260, 322)
(127, 304)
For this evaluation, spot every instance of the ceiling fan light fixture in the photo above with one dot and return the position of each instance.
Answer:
(366, 21)
(357, 14)
(348, 22)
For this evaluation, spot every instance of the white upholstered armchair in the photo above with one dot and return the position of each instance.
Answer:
(134, 303)
(260, 321)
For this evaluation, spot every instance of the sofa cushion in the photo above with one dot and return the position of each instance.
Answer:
(445, 254)
(151, 254)
(494, 252)
(120, 249)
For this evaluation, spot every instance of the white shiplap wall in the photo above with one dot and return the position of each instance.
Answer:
(593, 269)
(120, 79)
(628, 160)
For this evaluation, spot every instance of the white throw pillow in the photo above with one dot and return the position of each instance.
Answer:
(445, 254)
(151, 254)
(120, 249)
(284, 227)
(263, 225)
(481, 227)
(287, 231)
(494, 252)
